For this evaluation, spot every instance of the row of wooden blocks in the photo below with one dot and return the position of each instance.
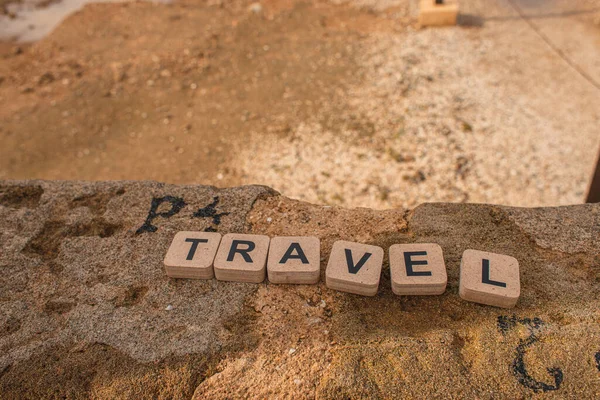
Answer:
(415, 269)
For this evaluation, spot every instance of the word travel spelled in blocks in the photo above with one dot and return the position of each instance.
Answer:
(242, 258)
(417, 269)
(294, 259)
(191, 255)
(489, 278)
(354, 268)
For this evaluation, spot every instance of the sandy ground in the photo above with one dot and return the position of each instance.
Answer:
(344, 103)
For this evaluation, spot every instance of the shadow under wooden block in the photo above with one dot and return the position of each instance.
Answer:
(354, 268)
(417, 269)
(294, 259)
(191, 255)
(242, 258)
(489, 278)
(433, 14)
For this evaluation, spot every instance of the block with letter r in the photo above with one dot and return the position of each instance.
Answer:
(242, 258)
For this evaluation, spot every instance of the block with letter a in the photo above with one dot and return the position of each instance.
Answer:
(191, 255)
(354, 268)
(294, 259)
(489, 278)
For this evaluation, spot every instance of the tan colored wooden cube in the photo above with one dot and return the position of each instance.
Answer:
(432, 14)
(417, 269)
(294, 259)
(354, 268)
(191, 255)
(489, 278)
(242, 258)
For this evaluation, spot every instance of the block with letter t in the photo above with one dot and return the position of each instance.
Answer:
(191, 255)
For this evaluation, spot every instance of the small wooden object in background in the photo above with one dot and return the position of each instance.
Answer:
(242, 258)
(435, 13)
(417, 269)
(191, 255)
(294, 259)
(354, 268)
(489, 278)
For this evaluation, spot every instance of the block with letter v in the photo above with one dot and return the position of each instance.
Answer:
(354, 268)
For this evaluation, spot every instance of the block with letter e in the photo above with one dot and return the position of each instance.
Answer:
(294, 259)
(417, 269)
(242, 258)
(489, 278)
(354, 268)
(191, 255)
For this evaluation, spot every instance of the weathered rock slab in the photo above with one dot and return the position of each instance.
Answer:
(87, 310)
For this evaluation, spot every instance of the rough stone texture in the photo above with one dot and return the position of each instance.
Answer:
(87, 310)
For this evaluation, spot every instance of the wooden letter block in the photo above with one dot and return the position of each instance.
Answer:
(354, 268)
(294, 259)
(191, 255)
(489, 278)
(242, 258)
(432, 14)
(417, 269)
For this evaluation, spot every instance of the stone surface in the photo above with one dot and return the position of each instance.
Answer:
(88, 311)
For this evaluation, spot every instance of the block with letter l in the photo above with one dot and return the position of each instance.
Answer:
(489, 278)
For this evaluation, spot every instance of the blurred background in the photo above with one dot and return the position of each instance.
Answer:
(339, 102)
